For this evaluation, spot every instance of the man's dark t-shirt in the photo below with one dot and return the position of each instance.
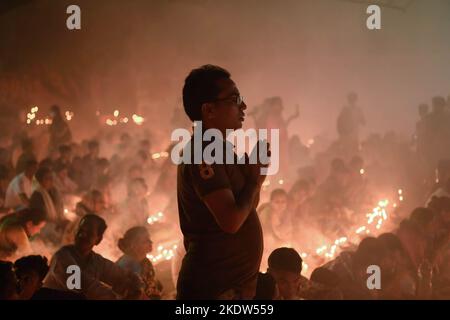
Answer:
(215, 261)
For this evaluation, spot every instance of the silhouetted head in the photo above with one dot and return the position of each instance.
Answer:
(90, 232)
(285, 266)
(136, 242)
(30, 272)
(209, 95)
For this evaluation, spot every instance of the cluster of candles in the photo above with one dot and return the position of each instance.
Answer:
(32, 117)
(138, 120)
(163, 253)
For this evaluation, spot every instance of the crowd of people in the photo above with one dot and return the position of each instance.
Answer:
(55, 209)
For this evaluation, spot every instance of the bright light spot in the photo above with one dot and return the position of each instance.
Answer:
(138, 119)
(281, 181)
(360, 229)
(361, 171)
(116, 113)
(110, 122)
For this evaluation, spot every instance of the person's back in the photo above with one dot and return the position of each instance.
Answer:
(99, 276)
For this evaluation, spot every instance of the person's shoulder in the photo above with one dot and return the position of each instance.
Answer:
(64, 250)
(99, 258)
(17, 177)
(126, 262)
(123, 261)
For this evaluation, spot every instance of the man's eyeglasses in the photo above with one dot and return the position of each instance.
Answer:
(237, 99)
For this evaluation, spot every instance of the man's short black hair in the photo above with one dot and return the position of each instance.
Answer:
(29, 264)
(101, 223)
(35, 215)
(200, 87)
(285, 259)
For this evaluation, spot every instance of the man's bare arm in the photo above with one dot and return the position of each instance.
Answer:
(229, 212)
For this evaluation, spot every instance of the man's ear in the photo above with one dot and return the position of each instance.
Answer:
(208, 110)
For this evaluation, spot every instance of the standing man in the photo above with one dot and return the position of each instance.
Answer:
(216, 202)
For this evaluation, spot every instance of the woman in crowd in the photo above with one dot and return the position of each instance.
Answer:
(135, 245)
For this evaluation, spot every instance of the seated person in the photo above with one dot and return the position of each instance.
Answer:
(15, 230)
(275, 217)
(135, 245)
(351, 268)
(403, 284)
(63, 183)
(285, 266)
(46, 198)
(19, 190)
(30, 272)
(100, 277)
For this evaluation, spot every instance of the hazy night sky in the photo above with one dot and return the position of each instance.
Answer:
(135, 55)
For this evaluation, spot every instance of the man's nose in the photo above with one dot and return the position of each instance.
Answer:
(243, 106)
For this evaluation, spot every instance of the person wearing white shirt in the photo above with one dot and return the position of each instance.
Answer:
(20, 188)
